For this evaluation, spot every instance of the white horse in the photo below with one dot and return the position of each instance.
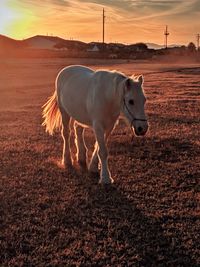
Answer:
(96, 99)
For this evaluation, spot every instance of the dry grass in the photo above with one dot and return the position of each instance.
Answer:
(52, 217)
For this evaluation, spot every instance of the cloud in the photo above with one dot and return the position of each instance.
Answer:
(148, 8)
(140, 9)
(126, 20)
(44, 2)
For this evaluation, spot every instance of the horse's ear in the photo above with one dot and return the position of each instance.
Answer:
(128, 83)
(141, 79)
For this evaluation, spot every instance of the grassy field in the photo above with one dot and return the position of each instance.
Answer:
(54, 217)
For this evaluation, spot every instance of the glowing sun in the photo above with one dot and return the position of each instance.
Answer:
(7, 17)
(14, 20)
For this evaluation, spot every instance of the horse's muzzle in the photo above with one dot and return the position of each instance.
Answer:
(140, 131)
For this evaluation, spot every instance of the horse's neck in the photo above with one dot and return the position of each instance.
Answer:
(119, 88)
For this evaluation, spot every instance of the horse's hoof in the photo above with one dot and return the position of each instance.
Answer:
(82, 164)
(93, 169)
(106, 181)
(94, 172)
(67, 165)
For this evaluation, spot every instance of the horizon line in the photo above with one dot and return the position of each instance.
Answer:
(78, 40)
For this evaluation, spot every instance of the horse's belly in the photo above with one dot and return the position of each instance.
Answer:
(82, 119)
(76, 108)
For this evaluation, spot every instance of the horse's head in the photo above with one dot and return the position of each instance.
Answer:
(133, 105)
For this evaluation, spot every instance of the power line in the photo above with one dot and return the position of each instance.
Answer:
(166, 33)
(198, 39)
(103, 25)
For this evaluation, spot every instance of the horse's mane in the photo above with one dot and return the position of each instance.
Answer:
(121, 74)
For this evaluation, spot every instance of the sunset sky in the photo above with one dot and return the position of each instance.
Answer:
(127, 21)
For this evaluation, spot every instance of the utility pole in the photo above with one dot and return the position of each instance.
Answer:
(166, 33)
(198, 39)
(103, 26)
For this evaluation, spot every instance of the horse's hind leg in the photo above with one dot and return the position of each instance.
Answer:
(66, 157)
(81, 149)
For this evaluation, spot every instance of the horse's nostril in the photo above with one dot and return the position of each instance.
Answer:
(140, 129)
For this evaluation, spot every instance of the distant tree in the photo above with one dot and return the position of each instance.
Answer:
(142, 46)
(191, 47)
(183, 47)
(138, 47)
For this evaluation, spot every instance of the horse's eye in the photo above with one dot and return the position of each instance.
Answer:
(131, 102)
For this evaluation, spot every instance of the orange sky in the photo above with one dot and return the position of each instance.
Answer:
(127, 21)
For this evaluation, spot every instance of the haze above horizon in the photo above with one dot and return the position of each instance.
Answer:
(127, 21)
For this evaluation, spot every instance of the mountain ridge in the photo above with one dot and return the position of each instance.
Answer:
(49, 42)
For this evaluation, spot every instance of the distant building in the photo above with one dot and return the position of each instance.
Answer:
(113, 56)
(93, 49)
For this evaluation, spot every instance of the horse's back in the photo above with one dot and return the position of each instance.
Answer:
(74, 71)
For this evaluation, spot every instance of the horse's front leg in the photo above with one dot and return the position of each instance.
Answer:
(105, 176)
(94, 162)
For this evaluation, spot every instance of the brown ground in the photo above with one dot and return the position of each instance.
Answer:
(52, 217)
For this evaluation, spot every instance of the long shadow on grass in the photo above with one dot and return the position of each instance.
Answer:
(73, 221)
(113, 232)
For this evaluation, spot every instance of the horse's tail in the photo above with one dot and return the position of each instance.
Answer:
(51, 114)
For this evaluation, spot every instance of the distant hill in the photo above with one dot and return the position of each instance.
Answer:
(9, 43)
(42, 42)
(157, 46)
(53, 46)
(50, 42)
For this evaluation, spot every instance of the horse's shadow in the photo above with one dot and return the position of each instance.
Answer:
(124, 235)
(105, 220)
